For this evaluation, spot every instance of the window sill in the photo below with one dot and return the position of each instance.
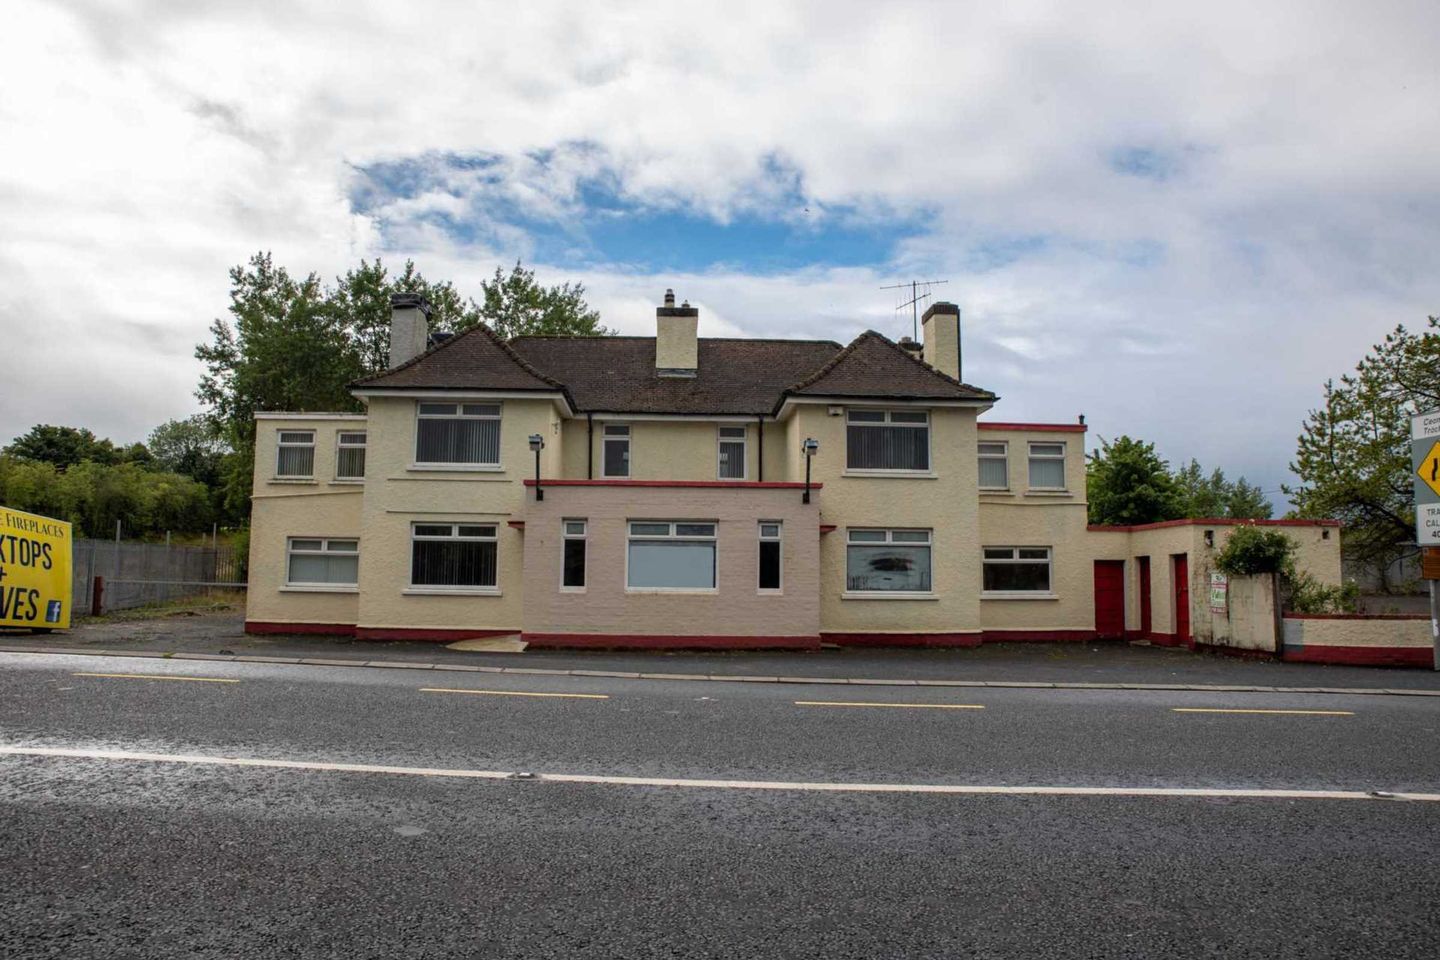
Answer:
(572, 589)
(456, 467)
(1048, 493)
(891, 595)
(450, 592)
(997, 491)
(320, 588)
(770, 593)
(303, 481)
(1017, 595)
(346, 483)
(893, 474)
(683, 591)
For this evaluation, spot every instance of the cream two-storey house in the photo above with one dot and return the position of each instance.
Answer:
(679, 491)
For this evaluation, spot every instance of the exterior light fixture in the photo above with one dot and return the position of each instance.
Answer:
(810, 446)
(537, 443)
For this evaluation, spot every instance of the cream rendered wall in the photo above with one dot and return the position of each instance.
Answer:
(319, 507)
(945, 501)
(1358, 631)
(735, 608)
(671, 449)
(1020, 517)
(398, 494)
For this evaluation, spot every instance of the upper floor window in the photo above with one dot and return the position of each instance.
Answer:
(322, 562)
(350, 455)
(458, 433)
(887, 561)
(1047, 466)
(295, 454)
(732, 453)
(615, 451)
(666, 555)
(887, 440)
(994, 466)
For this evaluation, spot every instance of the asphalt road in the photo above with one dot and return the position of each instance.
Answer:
(440, 855)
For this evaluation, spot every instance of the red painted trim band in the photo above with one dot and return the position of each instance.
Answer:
(635, 641)
(1361, 656)
(1207, 522)
(1038, 636)
(1033, 427)
(425, 633)
(706, 484)
(515, 524)
(319, 629)
(903, 639)
(1238, 652)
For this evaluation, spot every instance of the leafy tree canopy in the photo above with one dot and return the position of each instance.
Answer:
(1127, 482)
(1212, 495)
(64, 447)
(516, 305)
(1353, 454)
(191, 447)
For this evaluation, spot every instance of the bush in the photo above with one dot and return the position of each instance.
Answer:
(1251, 550)
(1305, 594)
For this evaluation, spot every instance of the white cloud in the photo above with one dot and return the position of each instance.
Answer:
(155, 144)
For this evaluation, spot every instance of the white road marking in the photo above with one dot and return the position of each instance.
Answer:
(799, 785)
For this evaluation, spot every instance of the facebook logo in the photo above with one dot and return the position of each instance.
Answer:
(52, 612)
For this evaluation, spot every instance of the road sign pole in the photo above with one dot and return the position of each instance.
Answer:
(1434, 624)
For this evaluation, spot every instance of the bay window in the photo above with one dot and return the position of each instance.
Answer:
(887, 440)
(887, 561)
(670, 555)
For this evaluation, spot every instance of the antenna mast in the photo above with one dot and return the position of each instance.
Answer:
(914, 302)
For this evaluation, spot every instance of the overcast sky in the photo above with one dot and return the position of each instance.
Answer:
(1178, 220)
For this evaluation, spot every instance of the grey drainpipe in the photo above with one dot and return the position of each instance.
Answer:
(590, 446)
(760, 450)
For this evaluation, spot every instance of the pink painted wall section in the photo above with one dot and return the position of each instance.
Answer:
(607, 611)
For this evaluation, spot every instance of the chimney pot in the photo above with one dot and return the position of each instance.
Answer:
(669, 297)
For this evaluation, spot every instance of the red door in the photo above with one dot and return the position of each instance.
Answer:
(1182, 597)
(1110, 599)
(1145, 626)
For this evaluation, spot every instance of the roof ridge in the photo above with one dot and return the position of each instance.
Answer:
(894, 347)
(435, 347)
(484, 329)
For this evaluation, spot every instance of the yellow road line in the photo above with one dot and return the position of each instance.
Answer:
(913, 706)
(1296, 713)
(517, 693)
(152, 676)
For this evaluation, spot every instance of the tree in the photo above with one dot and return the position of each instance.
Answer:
(192, 447)
(1127, 482)
(1353, 454)
(361, 304)
(1213, 495)
(62, 447)
(516, 306)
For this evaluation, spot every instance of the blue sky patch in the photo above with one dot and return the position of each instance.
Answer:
(1145, 163)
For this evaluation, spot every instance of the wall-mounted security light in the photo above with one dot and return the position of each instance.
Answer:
(537, 443)
(809, 447)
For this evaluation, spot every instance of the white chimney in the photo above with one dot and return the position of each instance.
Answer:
(677, 351)
(940, 328)
(409, 326)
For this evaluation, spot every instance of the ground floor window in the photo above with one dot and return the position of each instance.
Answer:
(454, 555)
(769, 556)
(887, 561)
(572, 563)
(322, 562)
(1016, 570)
(670, 555)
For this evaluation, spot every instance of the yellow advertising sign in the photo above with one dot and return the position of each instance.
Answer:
(34, 571)
(1429, 470)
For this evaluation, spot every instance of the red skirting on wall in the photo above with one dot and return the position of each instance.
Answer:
(1236, 652)
(1361, 656)
(903, 639)
(1037, 636)
(322, 629)
(633, 641)
(425, 633)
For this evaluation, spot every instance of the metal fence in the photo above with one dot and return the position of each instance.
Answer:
(134, 574)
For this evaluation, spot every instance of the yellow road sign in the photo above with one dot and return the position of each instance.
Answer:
(34, 571)
(1429, 469)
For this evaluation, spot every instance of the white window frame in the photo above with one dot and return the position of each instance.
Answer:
(606, 438)
(421, 589)
(459, 414)
(566, 535)
(1032, 456)
(778, 537)
(889, 413)
(743, 440)
(888, 539)
(1003, 456)
(674, 536)
(282, 444)
(341, 444)
(1015, 558)
(314, 586)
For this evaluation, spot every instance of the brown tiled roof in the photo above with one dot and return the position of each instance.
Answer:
(475, 360)
(617, 374)
(874, 366)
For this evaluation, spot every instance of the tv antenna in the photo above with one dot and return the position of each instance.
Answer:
(916, 295)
